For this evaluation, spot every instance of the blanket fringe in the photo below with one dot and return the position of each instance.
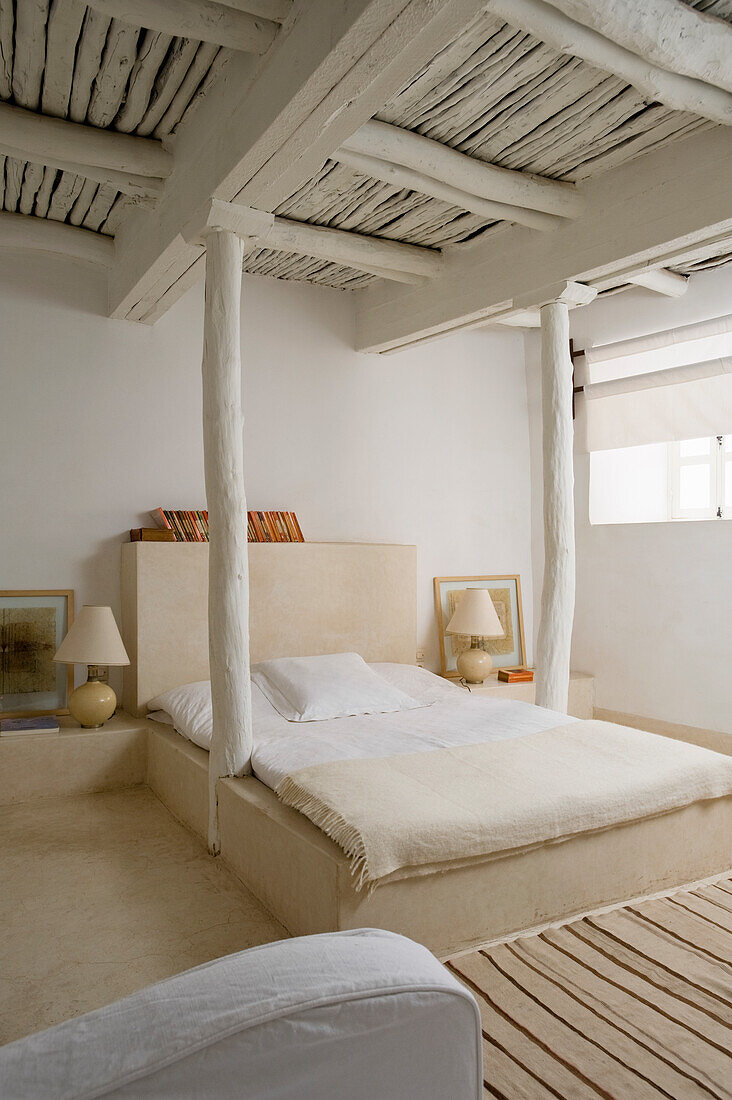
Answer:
(334, 825)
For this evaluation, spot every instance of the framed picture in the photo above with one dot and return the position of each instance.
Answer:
(508, 651)
(32, 626)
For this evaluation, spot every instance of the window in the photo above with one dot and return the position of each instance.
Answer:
(700, 478)
(657, 413)
(658, 482)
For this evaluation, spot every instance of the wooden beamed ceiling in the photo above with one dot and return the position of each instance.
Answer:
(377, 136)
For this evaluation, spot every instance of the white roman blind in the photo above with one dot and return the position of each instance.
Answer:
(684, 401)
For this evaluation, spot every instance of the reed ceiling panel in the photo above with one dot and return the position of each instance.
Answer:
(61, 58)
(493, 92)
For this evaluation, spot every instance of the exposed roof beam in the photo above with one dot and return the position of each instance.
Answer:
(221, 24)
(141, 188)
(42, 235)
(33, 136)
(661, 281)
(276, 10)
(440, 162)
(667, 33)
(658, 210)
(658, 279)
(522, 318)
(390, 259)
(260, 134)
(683, 93)
(398, 176)
(524, 312)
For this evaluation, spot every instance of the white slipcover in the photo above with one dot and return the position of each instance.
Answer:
(363, 1015)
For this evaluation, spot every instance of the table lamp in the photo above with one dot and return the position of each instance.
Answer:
(93, 640)
(475, 615)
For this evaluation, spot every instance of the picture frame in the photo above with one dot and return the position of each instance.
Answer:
(33, 623)
(507, 652)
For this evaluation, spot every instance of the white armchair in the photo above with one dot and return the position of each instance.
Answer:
(363, 1015)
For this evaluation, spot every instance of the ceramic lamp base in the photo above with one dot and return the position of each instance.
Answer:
(92, 704)
(474, 665)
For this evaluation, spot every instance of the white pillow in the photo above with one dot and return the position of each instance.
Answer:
(190, 708)
(418, 682)
(313, 689)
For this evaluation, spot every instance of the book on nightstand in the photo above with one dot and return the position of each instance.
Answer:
(43, 724)
(516, 675)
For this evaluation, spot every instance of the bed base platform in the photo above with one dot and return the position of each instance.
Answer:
(304, 879)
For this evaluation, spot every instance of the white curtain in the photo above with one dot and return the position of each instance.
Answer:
(717, 326)
(684, 402)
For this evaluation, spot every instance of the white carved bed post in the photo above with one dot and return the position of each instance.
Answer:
(228, 583)
(557, 597)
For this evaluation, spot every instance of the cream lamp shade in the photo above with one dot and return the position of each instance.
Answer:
(93, 639)
(475, 615)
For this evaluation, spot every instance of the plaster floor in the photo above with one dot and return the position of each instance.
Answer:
(103, 894)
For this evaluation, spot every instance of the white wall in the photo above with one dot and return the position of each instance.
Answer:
(653, 617)
(100, 422)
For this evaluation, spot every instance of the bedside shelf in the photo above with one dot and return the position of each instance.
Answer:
(74, 760)
(581, 692)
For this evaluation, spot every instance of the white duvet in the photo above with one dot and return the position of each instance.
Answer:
(449, 717)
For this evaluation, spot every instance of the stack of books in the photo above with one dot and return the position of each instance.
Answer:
(188, 526)
(273, 527)
(192, 526)
(516, 675)
(44, 724)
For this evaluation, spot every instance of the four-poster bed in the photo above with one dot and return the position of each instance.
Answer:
(223, 227)
(299, 873)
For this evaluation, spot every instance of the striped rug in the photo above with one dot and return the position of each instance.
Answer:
(635, 1004)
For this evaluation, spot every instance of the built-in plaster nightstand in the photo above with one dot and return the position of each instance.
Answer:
(581, 692)
(74, 760)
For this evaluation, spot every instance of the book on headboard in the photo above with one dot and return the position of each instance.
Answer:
(151, 534)
(177, 525)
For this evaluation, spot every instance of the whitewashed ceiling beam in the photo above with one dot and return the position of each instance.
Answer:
(141, 188)
(407, 178)
(682, 93)
(263, 132)
(198, 19)
(667, 33)
(659, 210)
(277, 10)
(522, 318)
(37, 136)
(390, 259)
(661, 281)
(41, 235)
(487, 181)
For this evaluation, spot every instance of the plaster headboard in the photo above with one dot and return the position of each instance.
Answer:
(305, 598)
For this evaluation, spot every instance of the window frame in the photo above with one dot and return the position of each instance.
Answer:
(715, 461)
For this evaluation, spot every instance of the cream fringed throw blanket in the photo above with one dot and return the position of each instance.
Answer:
(394, 812)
